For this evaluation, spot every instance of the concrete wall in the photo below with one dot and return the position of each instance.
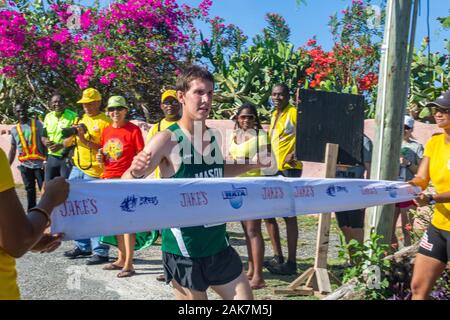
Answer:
(422, 132)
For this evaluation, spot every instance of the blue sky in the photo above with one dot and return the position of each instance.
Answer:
(310, 19)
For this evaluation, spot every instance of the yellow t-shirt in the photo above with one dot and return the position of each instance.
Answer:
(95, 126)
(8, 275)
(439, 153)
(282, 136)
(158, 127)
(248, 149)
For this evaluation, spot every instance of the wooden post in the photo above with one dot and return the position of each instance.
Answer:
(390, 109)
(316, 279)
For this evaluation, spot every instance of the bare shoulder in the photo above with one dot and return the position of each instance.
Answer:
(161, 139)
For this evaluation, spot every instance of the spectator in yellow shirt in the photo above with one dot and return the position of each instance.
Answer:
(171, 108)
(434, 248)
(21, 232)
(282, 135)
(87, 139)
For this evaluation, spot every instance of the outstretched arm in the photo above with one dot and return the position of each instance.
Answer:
(146, 161)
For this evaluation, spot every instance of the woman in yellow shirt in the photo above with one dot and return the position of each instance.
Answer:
(434, 248)
(249, 141)
(20, 232)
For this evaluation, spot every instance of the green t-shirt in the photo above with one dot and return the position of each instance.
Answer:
(198, 241)
(53, 125)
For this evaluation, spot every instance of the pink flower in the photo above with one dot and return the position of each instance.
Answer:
(100, 49)
(86, 19)
(62, 37)
(131, 66)
(106, 63)
(105, 80)
(9, 71)
(70, 62)
(86, 54)
(77, 38)
(82, 81)
(49, 57)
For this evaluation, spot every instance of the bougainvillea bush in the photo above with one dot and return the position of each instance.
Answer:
(131, 47)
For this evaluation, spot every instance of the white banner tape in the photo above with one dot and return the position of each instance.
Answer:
(111, 207)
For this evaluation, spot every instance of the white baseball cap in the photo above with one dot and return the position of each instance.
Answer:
(409, 121)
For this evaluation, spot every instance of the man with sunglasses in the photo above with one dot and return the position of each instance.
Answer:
(172, 113)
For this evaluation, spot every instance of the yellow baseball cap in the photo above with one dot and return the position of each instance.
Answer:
(90, 95)
(169, 93)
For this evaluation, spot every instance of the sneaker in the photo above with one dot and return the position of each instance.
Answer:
(96, 259)
(287, 269)
(275, 260)
(76, 252)
(161, 278)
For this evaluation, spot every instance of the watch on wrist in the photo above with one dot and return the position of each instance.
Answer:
(431, 199)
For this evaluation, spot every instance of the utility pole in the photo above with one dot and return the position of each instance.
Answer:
(393, 87)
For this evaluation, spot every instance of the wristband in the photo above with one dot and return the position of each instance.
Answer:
(135, 177)
(45, 213)
(431, 200)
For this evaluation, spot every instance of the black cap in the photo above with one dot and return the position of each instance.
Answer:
(442, 102)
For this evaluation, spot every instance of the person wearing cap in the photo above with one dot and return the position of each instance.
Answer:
(120, 142)
(410, 157)
(172, 113)
(55, 121)
(434, 248)
(87, 139)
(171, 109)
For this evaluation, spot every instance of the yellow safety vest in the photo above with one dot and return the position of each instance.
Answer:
(29, 152)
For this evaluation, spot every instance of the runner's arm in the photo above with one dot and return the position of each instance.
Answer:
(20, 232)
(146, 161)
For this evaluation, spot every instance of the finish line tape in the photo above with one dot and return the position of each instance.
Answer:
(111, 207)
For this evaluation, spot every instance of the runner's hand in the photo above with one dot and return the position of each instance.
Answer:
(140, 164)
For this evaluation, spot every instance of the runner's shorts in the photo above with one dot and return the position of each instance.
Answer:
(200, 273)
(435, 243)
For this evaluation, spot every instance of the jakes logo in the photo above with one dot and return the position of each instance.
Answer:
(333, 190)
(304, 192)
(392, 191)
(130, 203)
(235, 196)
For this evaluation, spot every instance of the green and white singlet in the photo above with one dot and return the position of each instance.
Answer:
(198, 241)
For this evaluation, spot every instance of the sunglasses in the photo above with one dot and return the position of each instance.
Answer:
(247, 117)
(112, 109)
(407, 128)
(172, 103)
(435, 110)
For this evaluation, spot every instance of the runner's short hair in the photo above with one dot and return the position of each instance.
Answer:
(190, 74)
